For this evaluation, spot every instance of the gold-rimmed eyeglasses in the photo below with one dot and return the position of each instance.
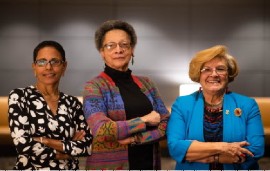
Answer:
(219, 70)
(112, 45)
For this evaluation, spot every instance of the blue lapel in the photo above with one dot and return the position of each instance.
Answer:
(196, 119)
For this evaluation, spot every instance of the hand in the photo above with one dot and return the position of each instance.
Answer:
(40, 139)
(152, 119)
(209, 159)
(79, 135)
(62, 156)
(229, 159)
(127, 141)
(36, 139)
(236, 149)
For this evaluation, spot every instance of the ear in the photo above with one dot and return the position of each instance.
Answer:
(34, 68)
(102, 54)
(64, 68)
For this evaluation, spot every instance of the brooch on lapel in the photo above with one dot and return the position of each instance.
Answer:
(237, 112)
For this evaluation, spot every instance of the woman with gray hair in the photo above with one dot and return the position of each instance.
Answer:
(124, 111)
(213, 128)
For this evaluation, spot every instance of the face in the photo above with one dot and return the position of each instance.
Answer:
(214, 76)
(49, 73)
(116, 51)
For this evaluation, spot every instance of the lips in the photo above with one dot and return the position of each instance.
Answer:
(213, 81)
(119, 57)
(49, 75)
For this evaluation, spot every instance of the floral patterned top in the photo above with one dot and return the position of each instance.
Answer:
(30, 116)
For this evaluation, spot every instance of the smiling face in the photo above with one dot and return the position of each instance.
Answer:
(48, 74)
(215, 78)
(117, 57)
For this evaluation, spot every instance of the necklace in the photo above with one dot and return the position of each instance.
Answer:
(218, 104)
(214, 104)
(213, 109)
(45, 96)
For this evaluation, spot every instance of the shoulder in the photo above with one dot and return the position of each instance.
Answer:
(22, 91)
(70, 98)
(240, 98)
(95, 80)
(188, 98)
(17, 91)
(20, 95)
(99, 81)
(187, 102)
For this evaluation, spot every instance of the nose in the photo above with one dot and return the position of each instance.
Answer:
(214, 71)
(48, 65)
(119, 48)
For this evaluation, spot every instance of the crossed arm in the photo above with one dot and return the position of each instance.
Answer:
(58, 145)
(209, 152)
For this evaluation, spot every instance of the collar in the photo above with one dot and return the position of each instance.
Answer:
(107, 77)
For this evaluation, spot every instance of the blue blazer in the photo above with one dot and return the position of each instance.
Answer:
(186, 124)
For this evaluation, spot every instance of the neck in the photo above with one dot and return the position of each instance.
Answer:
(50, 93)
(217, 104)
(214, 100)
(122, 69)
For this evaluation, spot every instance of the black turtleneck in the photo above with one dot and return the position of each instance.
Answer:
(136, 105)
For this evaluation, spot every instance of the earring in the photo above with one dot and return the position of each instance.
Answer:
(227, 90)
(132, 60)
(35, 74)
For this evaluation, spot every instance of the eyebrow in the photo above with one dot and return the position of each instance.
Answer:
(215, 66)
(122, 41)
(50, 59)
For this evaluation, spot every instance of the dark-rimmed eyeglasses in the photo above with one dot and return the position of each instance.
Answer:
(218, 70)
(44, 62)
(112, 45)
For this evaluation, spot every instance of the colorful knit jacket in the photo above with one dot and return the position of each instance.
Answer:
(105, 114)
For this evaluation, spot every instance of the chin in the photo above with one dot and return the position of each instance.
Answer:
(121, 67)
(217, 89)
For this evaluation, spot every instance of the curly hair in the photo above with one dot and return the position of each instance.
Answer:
(218, 51)
(114, 25)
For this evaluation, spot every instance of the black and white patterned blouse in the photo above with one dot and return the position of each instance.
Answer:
(30, 116)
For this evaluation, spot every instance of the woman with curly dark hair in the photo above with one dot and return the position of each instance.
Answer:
(124, 111)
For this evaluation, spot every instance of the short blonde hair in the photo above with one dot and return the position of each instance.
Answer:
(206, 55)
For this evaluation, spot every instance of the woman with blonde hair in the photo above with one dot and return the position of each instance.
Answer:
(213, 128)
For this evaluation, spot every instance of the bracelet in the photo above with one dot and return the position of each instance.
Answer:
(41, 139)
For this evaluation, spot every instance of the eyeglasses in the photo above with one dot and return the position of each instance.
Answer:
(218, 70)
(112, 45)
(44, 62)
